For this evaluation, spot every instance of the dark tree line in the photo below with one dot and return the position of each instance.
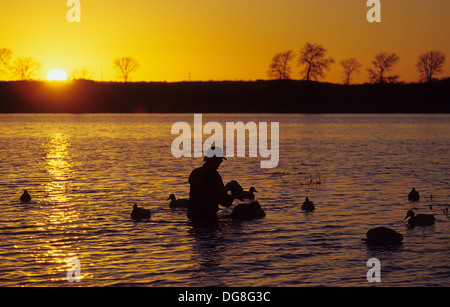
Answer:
(315, 62)
(313, 59)
(27, 68)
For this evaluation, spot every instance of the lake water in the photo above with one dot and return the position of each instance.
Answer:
(86, 171)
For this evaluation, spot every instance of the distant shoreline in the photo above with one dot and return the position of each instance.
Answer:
(223, 97)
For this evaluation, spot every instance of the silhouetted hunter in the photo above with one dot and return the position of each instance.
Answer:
(207, 190)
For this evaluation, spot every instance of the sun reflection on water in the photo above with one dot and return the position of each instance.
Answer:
(58, 167)
(59, 235)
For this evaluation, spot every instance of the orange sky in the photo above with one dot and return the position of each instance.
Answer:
(218, 39)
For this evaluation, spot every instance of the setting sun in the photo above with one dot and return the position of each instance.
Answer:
(56, 75)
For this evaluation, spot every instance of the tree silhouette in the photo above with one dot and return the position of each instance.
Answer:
(430, 64)
(280, 67)
(82, 74)
(314, 57)
(350, 66)
(5, 59)
(25, 68)
(125, 66)
(383, 63)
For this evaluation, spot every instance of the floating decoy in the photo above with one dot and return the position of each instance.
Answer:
(248, 211)
(178, 203)
(140, 213)
(236, 190)
(308, 205)
(413, 195)
(249, 194)
(25, 198)
(383, 236)
(420, 219)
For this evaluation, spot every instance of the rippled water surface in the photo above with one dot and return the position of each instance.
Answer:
(85, 172)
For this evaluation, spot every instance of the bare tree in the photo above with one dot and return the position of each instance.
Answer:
(25, 68)
(280, 68)
(5, 60)
(314, 57)
(125, 66)
(430, 64)
(382, 66)
(82, 74)
(350, 66)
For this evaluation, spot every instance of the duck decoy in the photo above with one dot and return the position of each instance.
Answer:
(26, 197)
(140, 213)
(236, 190)
(420, 219)
(250, 194)
(308, 205)
(413, 195)
(178, 203)
(248, 211)
(383, 236)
